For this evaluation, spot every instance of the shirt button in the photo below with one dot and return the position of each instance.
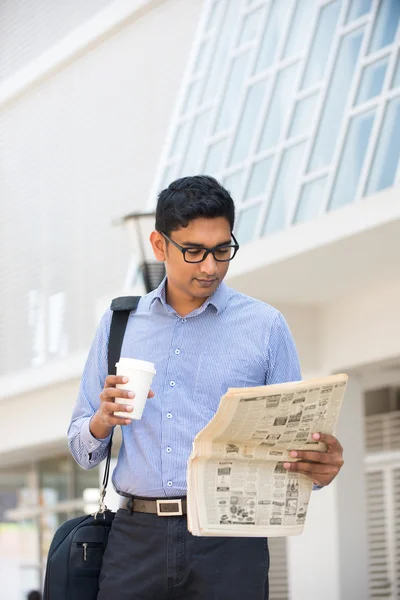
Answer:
(172, 383)
(177, 351)
(169, 483)
(184, 320)
(168, 449)
(169, 416)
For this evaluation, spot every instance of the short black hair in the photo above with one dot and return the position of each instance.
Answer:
(189, 198)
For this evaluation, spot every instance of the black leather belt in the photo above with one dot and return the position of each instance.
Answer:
(164, 507)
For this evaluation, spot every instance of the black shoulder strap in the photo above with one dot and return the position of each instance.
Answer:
(121, 308)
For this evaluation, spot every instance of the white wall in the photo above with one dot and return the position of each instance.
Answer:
(351, 497)
(313, 557)
(361, 329)
(80, 148)
(37, 419)
(330, 558)
(304, 325)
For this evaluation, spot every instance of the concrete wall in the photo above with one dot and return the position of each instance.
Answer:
(83, 142)
(361, 328)
(79, 148)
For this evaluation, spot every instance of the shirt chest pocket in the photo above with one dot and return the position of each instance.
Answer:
(215, 375)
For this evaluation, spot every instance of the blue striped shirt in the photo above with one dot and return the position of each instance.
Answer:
(232, 340)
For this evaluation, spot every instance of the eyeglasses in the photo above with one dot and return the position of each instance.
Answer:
(196, 254)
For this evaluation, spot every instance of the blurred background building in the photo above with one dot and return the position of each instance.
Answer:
(295, 106)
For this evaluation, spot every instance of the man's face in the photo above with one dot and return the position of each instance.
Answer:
(197, 280)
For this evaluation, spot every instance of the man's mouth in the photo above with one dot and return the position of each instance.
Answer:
(207, 281)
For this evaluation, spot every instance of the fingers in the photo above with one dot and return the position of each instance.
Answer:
(112, 392)
(321, 467)
(318, 457)
(108, 406)
(333, 444)
(310, 468)
(112, 380)
(108, 410)
(319, 474)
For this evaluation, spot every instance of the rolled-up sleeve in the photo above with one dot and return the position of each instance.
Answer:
(282, 359)
(87, 450)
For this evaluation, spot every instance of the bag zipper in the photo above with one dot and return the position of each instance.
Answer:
(86, 545)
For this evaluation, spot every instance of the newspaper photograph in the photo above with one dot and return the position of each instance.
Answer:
(237, 485)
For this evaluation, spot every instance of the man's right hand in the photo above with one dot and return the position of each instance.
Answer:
(104, 419)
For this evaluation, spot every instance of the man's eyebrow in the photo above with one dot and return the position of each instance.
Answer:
(195, 245)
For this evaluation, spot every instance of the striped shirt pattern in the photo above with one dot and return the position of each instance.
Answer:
(232, 340)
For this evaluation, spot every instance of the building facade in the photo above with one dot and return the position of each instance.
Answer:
(295, 106)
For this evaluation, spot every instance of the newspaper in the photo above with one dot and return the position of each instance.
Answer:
(237, 485)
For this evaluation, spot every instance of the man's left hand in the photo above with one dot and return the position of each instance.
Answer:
(321, 467)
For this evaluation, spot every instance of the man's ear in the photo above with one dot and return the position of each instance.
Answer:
(158, 243)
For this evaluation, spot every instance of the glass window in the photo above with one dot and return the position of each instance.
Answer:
(321, 44)
(336, 100)
(250, 26)
(49, 523)
(300, 28)
(215, 157)
(386, 24)
(304, 115)
(386, 158)
(20, 568)
(396, 76)
(180, 139)
(167, 177)
(372, 80)
(203, 56)
(214, 16)
(233, 87)
(357, 9)
(311, 200)
(220, 51)
(272, 34)
(234, 184)
(247, 223)
(286, 187)
(259, 178)
(196, 140)
(352, 160)
(87, 483)
(248, 121)
(280, 105)
(55, 475)
(192, 96)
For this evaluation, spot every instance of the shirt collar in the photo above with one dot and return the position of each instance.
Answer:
(218, 299)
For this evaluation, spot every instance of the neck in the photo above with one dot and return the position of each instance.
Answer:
(181, 303)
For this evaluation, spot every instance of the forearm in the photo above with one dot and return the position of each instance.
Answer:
(98, 428)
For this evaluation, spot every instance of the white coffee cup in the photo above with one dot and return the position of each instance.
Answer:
(140, 374)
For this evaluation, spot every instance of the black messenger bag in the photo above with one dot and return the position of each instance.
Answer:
(76, 551)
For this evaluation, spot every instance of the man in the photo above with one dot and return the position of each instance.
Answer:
(203, 338)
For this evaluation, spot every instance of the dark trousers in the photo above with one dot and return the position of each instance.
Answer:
(155, 558)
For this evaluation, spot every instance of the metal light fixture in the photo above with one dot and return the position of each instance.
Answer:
(139, 227)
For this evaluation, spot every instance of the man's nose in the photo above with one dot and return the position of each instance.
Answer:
(209, 265)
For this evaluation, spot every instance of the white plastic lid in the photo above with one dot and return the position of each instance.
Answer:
(134, 363)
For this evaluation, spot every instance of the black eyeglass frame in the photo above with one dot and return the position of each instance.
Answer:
(207, 251)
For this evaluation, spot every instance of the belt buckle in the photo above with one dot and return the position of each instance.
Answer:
(169, 508)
